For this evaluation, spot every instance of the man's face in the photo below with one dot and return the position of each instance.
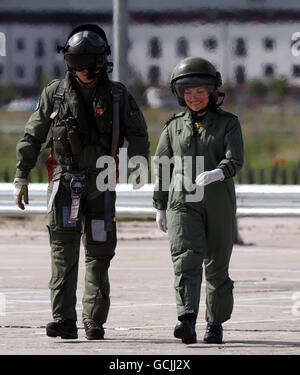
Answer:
(82, 75)
(196, 98)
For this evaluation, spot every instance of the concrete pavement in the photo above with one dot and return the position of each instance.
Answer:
(266, 271)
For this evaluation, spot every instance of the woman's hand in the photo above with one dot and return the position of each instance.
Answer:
(161, 220)
(206, 178)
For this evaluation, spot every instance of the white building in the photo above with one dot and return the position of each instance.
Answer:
(245, 39)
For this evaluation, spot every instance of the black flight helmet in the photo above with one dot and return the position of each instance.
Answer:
(86, 48)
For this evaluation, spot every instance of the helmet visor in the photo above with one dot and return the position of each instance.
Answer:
(185, 83)
(89, 36)
(88, 62)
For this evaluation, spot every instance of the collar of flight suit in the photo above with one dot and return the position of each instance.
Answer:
(207, 121)
(188, 130)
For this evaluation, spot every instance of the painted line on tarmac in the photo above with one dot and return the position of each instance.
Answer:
(203, 324)
(172, 325)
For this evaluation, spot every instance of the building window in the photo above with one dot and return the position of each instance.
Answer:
(210, 44)
(182, 47)
(296, 70)
(20, 44)
(155, 49)
(268, 44)
(154, 74)
(240, 74)
(269, 70)
(240, 49)
(38, 73)
(39, 48)
(20, 71)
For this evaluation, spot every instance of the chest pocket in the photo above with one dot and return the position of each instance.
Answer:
(61, 143)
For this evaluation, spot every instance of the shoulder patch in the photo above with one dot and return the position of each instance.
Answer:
(175, 115)
(53, 81)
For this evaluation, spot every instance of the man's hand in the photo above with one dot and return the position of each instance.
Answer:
(21, 192)
(206, 178)
(161, 220)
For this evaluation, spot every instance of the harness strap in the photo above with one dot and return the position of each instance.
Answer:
(116, 94)
(59, 97)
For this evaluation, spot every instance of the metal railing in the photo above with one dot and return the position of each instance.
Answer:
(252, 200)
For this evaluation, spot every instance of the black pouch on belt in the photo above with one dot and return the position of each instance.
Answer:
(77, 185)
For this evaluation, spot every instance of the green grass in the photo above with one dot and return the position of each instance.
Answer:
(7, 118)
(268, 137)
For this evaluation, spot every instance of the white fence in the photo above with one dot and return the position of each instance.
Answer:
(252, 200)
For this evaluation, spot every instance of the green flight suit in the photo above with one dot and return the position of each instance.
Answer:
(203, 231)
(95, 126)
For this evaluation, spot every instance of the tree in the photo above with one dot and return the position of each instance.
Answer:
(138, 86)
(257, 88)
(8, 93)
(279, 87)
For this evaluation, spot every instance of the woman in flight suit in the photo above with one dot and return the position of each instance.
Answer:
(200, 231)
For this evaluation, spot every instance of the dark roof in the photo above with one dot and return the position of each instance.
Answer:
(153, 11)
(106, 6)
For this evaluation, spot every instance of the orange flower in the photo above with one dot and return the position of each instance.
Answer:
(279, 161)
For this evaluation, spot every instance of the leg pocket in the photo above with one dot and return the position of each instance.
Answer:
(98, 231)
(97, 241)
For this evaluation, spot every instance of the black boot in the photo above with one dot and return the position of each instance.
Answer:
(185, 330)
(65, 328)
(213, 334)
(94, 331)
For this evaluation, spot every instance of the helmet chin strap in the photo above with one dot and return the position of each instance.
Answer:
(91, 75)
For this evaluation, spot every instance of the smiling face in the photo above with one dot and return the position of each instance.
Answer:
(196, 98)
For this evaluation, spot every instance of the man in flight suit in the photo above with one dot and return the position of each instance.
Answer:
(87, 116)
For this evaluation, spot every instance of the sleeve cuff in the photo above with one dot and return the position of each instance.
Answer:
(160, 206)
(21, 174)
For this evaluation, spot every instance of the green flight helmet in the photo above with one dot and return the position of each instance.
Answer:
(193, 72)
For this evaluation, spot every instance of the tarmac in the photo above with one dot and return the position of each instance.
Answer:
(265, 270)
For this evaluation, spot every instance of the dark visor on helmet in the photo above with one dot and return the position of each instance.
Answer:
(93, 39)
(184, 83)
(82, 62)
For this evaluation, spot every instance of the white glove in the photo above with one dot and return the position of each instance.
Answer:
(21, 192)
(208, 177)
(161, 220)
